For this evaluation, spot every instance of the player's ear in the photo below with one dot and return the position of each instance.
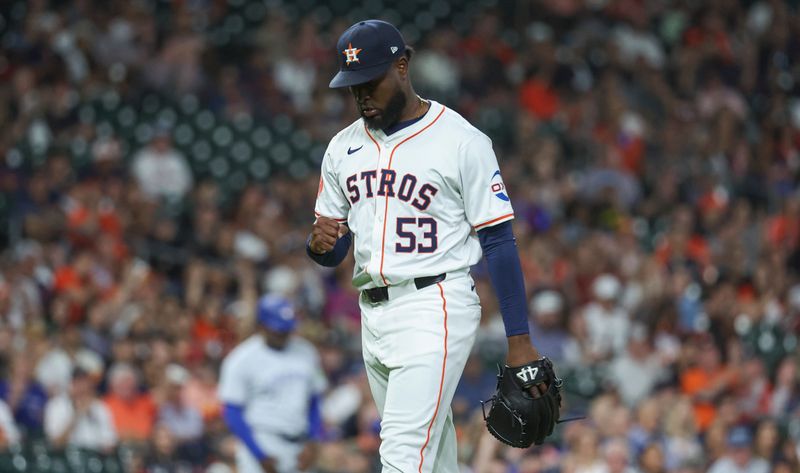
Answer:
(402, 67)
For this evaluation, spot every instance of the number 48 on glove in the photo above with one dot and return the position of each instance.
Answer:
(518, 418)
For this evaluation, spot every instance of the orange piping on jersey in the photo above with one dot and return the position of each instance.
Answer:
(373, 139)
(494, 220)
(441, 381)
(386, 205)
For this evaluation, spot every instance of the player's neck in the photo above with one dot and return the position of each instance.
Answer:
(415, 107)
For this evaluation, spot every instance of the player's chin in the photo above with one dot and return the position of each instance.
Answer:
(373, 118)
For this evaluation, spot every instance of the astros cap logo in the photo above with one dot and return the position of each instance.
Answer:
(351, 53)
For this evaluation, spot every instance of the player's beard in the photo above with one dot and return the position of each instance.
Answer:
(390, 114)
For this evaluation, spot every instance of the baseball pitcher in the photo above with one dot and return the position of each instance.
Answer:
(418, 192)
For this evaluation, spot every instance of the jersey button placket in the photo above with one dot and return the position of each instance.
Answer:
(383, 216)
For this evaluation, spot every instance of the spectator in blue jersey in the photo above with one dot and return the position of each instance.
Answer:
(25, 397)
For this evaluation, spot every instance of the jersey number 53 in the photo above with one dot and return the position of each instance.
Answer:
(407, 230)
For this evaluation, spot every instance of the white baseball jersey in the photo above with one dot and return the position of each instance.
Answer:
(274, 386)
(412, 199)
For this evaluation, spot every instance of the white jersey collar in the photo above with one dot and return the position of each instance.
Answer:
(433, 113)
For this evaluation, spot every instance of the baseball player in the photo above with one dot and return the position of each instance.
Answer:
(419, 192)
(270, 386)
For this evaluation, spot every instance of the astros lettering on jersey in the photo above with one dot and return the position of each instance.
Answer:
(419, 192)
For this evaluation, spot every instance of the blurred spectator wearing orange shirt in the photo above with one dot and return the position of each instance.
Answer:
(134, 413)
(705, 381)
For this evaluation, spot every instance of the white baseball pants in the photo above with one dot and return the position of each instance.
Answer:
(415, 346)
(284, 452)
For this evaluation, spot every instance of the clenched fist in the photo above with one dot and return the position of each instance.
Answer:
(324, 234)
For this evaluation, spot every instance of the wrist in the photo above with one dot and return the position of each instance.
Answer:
(520, 350)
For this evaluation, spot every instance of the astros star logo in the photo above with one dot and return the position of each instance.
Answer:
(351, 54)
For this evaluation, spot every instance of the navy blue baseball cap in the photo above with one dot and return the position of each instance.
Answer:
(365, 52)
(276, 313)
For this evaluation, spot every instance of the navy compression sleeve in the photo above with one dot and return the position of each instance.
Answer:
(505, 272)
(234, 417)
(336, 255)
(315, 430)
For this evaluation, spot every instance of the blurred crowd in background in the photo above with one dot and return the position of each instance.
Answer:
(159, 170)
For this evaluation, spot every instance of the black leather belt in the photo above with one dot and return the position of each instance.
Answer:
(380, 294)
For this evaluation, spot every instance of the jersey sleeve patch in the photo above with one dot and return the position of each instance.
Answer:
(497, 187)
(486, 199)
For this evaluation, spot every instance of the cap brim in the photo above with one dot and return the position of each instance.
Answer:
(360, 76)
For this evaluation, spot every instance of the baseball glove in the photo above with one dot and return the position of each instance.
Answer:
(517, 418)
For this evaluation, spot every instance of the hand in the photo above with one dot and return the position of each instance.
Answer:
(518, 403)
(324, 234)
(520, 353)
(268, 465)
(308, 456)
